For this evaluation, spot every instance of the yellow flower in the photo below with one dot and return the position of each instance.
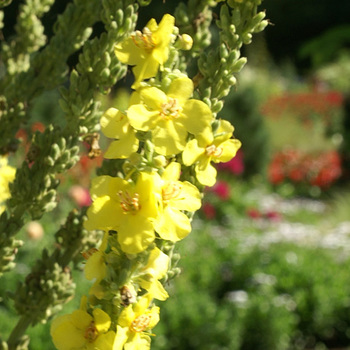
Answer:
(149, 275)
(82, 331)
(147, 50)
(126, 207)
(7, 175)
(114, 124)
(219, 148)
(133, 323)
(173, 224)
(170, 116)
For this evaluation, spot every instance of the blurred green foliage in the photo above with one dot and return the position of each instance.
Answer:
(242, 110)
(278, 297)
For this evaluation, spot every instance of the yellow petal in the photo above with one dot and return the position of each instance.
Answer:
(158, 262)
(95, 267)
(172, 172)
(154, 312)
(158, 291)
(169, 137)
(206, 173)
(135, 234)
(126, 316)
(148, 187)
(65, 336)
(102, 320)
(139, 341)
(197, 117)
(152, 25)
(153, 98)
(122, 148)
(142, 305)
(114, 124)
(105, 341)
(141, 118)
(224, 131)
(173, 225)
(103, 214)
(181, 89)
(107, 185)
(229, 150)
(121, 338)
(163, 33)
(192, 152)
(81, 319)
(189, 198)
(127, 52)
(146, 69)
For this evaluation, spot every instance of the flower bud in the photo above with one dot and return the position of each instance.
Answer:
(186, 42)
(34, 230)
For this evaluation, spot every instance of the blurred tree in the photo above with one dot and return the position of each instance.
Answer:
(295, 22)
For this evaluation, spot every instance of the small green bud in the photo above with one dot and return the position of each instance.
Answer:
(50, 206)
(217, 106)
(49, 161)
(247, 38)
(106, 58)
(257, 18)
(261, 26)
(74, 77)
(105, 73)
(119, 16)
(55, 151)
(129, 24)
(239, 64)
(232, 80)
(135, 159)
(223, 51)
(65, 156)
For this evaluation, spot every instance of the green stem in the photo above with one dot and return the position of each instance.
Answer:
(21, 327)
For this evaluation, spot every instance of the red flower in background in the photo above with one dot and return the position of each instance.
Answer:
(317, 169)
(254, 213)
(221, 189)
(209, 210)
(329, 169)
(235, 165)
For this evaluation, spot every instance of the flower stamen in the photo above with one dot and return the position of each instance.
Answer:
(129, 203)
(213, 151)
(140, 323)
(91, 332)
(170, 109)
(171, 191)
(144, 39)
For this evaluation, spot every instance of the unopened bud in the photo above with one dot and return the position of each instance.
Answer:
(34, 230)
(159, 161)
(186, 42)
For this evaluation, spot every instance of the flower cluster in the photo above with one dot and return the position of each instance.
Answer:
(7, 175)
(321, 169)
(166, 141)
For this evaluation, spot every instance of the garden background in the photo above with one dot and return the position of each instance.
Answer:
(272, 238)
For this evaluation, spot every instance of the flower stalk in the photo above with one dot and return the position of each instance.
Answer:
(157, 164)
